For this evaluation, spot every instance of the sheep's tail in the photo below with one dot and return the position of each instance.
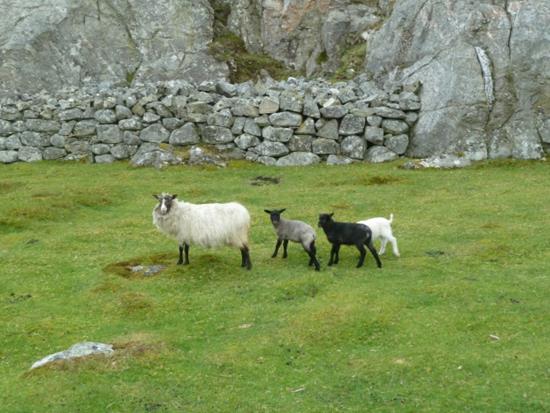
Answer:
(391, 218)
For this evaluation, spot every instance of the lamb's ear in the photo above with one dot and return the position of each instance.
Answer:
(331, 214)
(282, 210)
(174, 196)
(157, 197)
(267, 210)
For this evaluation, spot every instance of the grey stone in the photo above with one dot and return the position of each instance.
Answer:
(241, 107)
(12, 142)
(285, 119)
(9, 113)
(298, 159)
(354, 147)
(307, 127)
(53, 153)
(271, 149)
(216, 134)
(374, 120)
(226, 89)
(172, 123)
(266, 160)
(334, 112)
(300, 143)
(29, 154)
(390, 113)
(329, 130)
(84, 128)
(310, 108)
(150, 117)
(238, 126)
(291, 101)
(76, 351)
(277, 134)
(130, 138)
(352, 125)
(105, 116)
(41, 125)
(78, 147)
(107, 158)
(121, 151)
(246, 141)
(379, 154)
(149, 154)
(252, 128)
(58, 141)
(374, 134)
(8, 156)
(133, 124)
(71, 114)
(197, 156)
(34, 139)
(269, 105)
(262, 121)
(109, 134)
(322, 146)
(395, 127)
(222, 118)
(154, 133)
(122, 112)
(6, 128)
(338, 160)
(67, 128)
(100, 149)
(397, 144)
(186, 135)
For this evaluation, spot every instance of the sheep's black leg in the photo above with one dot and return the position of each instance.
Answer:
(279, 242)
(245, 255)
(184, 247)
(337, 257)
(285, 246)
(312, 258)
(332, 254)
(371, 248)
(363, 253)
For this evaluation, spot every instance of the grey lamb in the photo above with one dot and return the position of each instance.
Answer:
(296, 231)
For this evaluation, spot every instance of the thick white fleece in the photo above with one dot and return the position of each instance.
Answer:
(381, 229)
(207, 225)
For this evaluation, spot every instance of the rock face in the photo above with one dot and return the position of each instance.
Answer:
(484, 67)
(47, 44)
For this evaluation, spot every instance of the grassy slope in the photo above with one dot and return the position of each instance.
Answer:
(211, 337)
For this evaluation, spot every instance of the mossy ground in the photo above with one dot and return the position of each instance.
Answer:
(212, 337)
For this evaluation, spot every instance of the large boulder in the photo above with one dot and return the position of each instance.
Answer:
(484, 67)
(55, 43)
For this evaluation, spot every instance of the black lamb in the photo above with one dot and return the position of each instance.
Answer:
(347, 233)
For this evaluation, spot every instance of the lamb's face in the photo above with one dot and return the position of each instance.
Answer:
(325, 219)
(165, 203)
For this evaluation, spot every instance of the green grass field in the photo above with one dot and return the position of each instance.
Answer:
(414, 336)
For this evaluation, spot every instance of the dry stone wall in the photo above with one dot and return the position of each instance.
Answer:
(295, 122)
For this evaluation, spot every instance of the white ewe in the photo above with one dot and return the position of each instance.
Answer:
(381, 229)
(207, 225)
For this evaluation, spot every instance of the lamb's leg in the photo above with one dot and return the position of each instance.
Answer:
(393, 241)
(332, 253)
(363, 252)
(279, 242)
(285, 246)
(245, 255)
(383, 243)
(311, 251)
(337, 258)
(183, 247)
(374, 253)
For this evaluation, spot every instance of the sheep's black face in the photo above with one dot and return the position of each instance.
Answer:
(275, 215)
(165, 203)
(324, 219)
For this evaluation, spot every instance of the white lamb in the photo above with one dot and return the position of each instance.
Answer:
(381, 229)
(207, 225)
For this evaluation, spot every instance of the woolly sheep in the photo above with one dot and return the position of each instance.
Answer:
(347, 233)
(296, 231)
(207, 225)
(381, 229)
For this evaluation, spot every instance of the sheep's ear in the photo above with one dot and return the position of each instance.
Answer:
(174, 196)
(331, 214)
(267, 210)
(157, 197)
(282, 210)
